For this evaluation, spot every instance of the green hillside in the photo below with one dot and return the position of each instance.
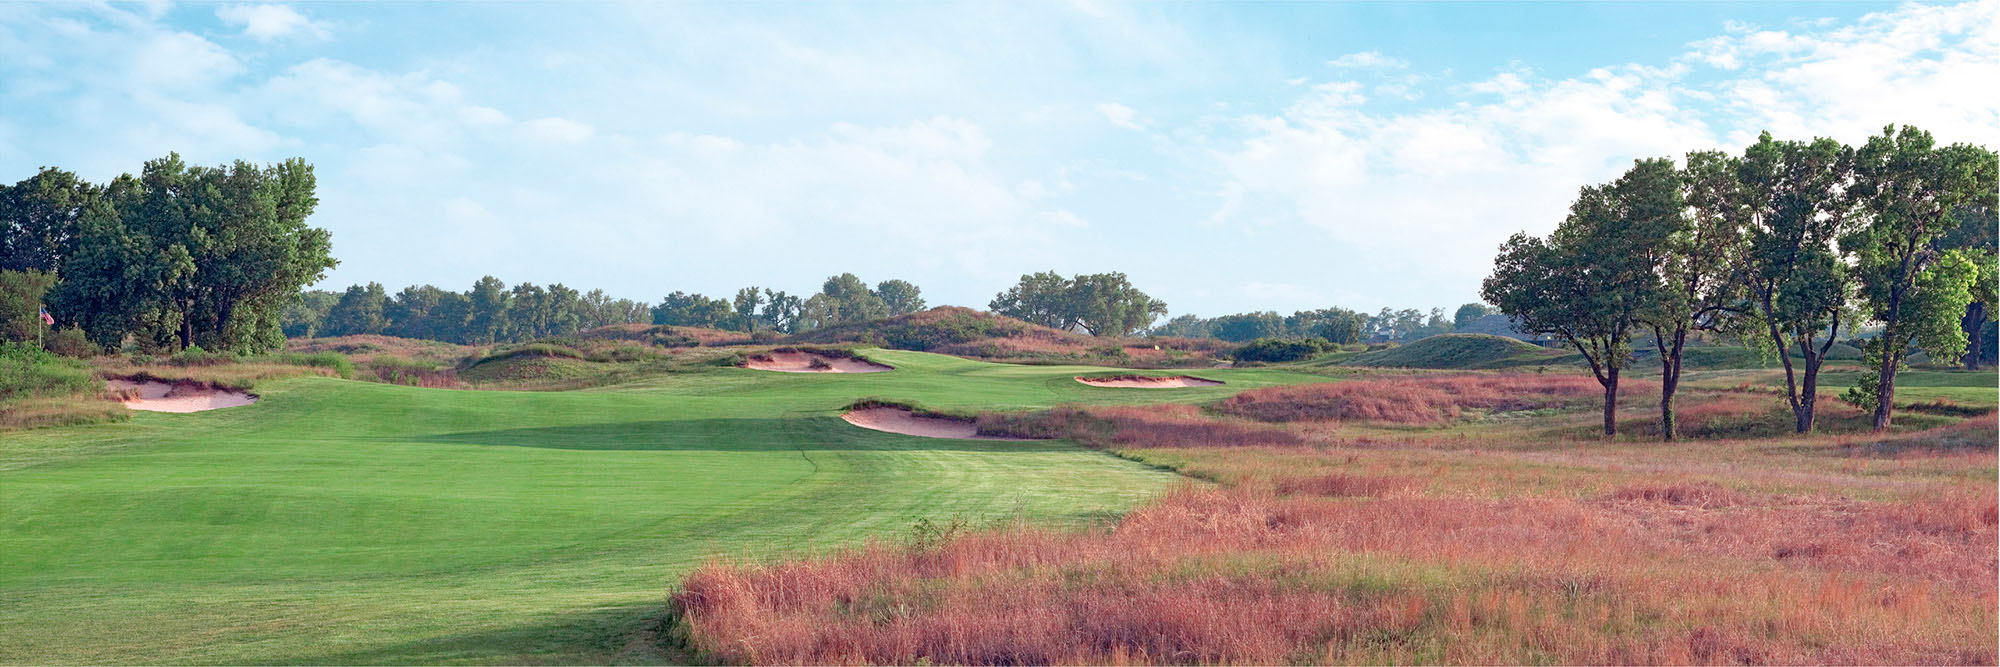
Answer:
(1459, 351)
(349, 522)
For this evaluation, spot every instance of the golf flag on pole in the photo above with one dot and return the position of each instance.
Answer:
(46, 318)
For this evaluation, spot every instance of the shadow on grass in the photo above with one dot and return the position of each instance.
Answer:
(1974, 435)
(625, 635)
(734, 435)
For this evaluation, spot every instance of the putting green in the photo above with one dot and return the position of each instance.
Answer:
(350, 522)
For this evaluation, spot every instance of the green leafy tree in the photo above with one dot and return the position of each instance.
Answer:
(1040, 298)
(1106, 304)
(1335, 325)
(21, 303)
(1586, 284)
(1691, 222)
(410, 312)
(1183, 326)
(40, 220)
(1246, 327)
(692, 310)
(487, 321)
(1908, 190)
(746, 303)
(1469, 313)
(1930, 323)
(845, 298)
(359, 311)
(901, 297)
(1796, 281)
(781, 311)
(305, 317)
(1984, 301)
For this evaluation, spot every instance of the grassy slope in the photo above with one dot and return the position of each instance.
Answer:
(349, 522)
(1459, 351)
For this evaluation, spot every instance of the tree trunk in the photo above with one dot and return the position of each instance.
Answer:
(1610, 382)
(1808, 395)
(1974, 320)
(1670, 380)
(1886, 393)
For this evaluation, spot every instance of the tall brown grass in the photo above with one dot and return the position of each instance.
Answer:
(1316, 549)
(1423, 399)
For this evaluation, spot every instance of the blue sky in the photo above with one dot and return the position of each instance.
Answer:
(1228, 156)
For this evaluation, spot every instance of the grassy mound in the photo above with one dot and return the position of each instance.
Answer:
(502, 527)
(965, 332)
(1459, 352)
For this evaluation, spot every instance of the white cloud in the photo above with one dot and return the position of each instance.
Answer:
(1119, 115)
(557, 130)
(269, 22)
(1367, 60)
(1438, 188)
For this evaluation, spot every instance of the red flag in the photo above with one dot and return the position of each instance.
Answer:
(47, 319)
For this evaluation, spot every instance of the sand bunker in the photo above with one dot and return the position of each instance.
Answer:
(901, 420)
(1148, 382)
(155, 396)
(807, 362)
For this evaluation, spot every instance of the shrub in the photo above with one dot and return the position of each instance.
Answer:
(29, 372)
(1411, 400)
(1279, 350)
(71, 342)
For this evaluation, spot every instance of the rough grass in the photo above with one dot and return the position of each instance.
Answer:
(1416, 399)
(1328, 549)
(1460, 352)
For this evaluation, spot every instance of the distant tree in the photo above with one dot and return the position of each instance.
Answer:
(1335, 325)
(359, 311)
(692, 310)
(21, 302)
(746, 303)
(41, 219)
(848, 299)
(1469, 313)
(306, 316)
(781, 311)
(901, 297)
(451, 318)
(1184, 326)
(1908, 191)
(1586, 284)
(487, 320)
(1106, 304)
(411, 310)
(529, 313)
(1693, 220)
(1040, 298)
(1245, 327)
(1797, 282)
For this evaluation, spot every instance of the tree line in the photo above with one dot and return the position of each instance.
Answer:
(1788, 245)
(1334, 325)
(491, 312)
(179, 256)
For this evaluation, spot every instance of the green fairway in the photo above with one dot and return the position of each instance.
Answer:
(349, 522)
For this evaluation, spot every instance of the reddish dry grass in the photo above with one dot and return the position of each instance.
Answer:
(1321, 551)
(1220, 576)
(1417, 399)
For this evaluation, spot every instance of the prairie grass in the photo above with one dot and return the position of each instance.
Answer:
(1322, 543)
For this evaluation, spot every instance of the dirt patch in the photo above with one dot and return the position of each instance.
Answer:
(156, 396)
(906, 422)
(809, 362)
(1148, 382)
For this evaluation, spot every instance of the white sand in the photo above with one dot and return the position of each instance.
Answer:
(155, 396)
(804, 362)
(1174, 382)
(899, 420)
